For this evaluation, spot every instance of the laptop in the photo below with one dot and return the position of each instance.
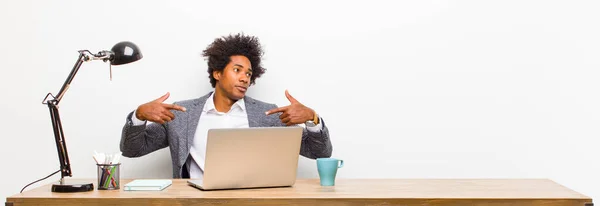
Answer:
(250, 158)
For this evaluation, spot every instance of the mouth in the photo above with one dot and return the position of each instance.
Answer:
(241, 88)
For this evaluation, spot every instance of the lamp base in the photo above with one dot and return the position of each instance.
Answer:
(72, 187)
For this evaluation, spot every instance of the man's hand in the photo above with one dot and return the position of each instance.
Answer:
(295, 113)
(157, 111)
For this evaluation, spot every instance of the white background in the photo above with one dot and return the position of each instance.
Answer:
(409, 89)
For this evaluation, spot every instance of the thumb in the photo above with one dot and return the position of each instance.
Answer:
(163, 98)
(289, 97)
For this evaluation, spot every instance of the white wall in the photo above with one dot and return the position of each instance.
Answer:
(410, 89)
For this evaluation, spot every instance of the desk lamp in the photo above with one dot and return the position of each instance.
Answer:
(122, 53)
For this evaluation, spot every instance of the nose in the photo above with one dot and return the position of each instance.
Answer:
(245, 79)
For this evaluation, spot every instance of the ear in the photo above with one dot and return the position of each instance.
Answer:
(217, 74)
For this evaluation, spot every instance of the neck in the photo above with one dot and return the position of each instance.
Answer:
(222, 102)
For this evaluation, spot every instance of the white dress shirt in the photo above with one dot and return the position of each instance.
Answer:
(236, 117)
(211, 118)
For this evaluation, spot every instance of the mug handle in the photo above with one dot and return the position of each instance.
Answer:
(341, 164)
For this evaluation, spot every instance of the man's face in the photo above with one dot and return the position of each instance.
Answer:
(234, 80)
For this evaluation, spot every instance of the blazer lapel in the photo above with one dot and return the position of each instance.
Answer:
(252, 112)
(194, 117)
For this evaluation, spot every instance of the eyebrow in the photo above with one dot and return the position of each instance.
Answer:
(239, 65)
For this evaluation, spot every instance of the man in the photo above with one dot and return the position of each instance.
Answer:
(233, 65)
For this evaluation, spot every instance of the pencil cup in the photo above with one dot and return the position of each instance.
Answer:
(109, 176)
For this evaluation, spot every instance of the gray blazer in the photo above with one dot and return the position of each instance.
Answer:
(178, 134)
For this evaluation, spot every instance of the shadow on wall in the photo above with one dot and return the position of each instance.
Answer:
(307, 168)
(153, 165)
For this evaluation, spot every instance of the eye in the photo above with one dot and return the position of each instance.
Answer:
(236, 69)
(249, 74)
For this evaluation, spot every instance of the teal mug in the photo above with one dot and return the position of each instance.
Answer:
(327, 168)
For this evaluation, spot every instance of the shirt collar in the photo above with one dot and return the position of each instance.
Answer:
(210, 104)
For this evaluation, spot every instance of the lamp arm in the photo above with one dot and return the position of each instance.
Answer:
(84, 55)
(61, 147)
(59, 137)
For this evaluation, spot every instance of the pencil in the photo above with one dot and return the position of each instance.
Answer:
(110, 179)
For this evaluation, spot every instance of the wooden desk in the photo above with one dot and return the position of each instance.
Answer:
(346, 192)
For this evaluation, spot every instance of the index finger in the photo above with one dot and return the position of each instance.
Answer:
(280, 109)
(175, 107)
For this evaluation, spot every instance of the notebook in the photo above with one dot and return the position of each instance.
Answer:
(147, 185)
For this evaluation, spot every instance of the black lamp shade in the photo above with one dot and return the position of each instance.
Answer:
(125, 52)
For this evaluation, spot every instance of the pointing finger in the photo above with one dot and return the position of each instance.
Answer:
(280, 109)
(175, 107)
